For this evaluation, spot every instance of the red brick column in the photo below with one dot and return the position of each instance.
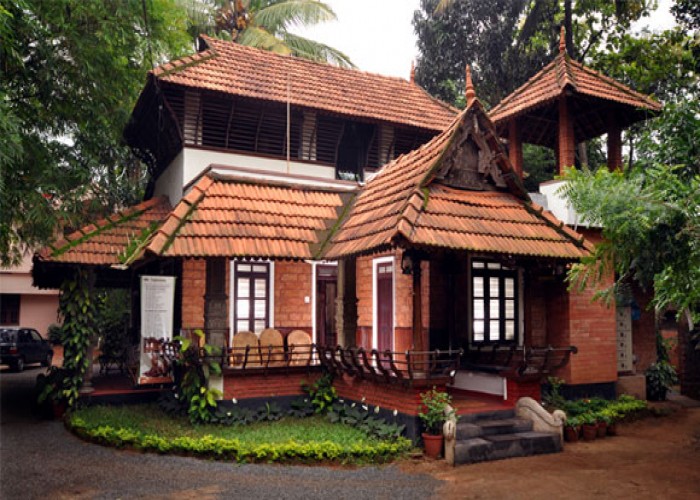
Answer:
(515, 147)
(194, 274)
(566, 154)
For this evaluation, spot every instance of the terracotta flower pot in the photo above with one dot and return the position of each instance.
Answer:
(612, 429)
(602, 429)
(571, 434)
(432, 445)
(590, 432)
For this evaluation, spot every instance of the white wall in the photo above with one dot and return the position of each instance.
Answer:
(171, 180)
(557, 203)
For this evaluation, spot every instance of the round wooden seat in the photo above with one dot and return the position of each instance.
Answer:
(299, 343)
(272, 345)
(244, 339)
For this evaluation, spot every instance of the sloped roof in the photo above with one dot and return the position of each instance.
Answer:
(224, 216)
(114, 240)
(410, 203)
(234, 69)
(561, 74)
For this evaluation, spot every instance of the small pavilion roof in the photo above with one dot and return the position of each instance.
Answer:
(594, 97)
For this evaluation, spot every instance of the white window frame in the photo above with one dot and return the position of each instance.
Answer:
(231, 289)
(375, 317)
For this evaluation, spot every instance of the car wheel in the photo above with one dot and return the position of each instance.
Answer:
(47, 360)
(19, 365)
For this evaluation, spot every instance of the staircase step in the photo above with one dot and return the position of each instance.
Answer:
(466, 430)
(504, 426)
(487, 415)
(499, 446)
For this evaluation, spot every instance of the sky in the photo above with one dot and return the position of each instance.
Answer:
(378, 34)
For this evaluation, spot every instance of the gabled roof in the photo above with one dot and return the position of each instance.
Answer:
(413, 201)
(229, 217)
(119, 238)
(237, 70)
(564, 74)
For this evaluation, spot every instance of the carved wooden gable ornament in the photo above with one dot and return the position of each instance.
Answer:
(469, 162)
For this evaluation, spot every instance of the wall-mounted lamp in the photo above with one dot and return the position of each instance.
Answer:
(407, 262)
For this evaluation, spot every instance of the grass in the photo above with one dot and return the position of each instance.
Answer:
(310, 439)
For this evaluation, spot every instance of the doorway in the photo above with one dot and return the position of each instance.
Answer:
(326, 294)
(384, 305)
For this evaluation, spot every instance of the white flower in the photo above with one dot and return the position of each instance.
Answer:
(396, 412)
(341, 401)
(234, 401)
(363, 399)
(352, 405)
(365, 407)
(306, 400)
(376, 409)
(228, 413)
(177, 396)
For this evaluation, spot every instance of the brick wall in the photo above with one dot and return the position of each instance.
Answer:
(388, 396)
(247, 386)
(292, 285)
(194, 273)
(517, 390)
(535, 310)
(557, 325)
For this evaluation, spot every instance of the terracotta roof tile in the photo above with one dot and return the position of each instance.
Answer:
(406, 201)
(248, 72)
(550, 82)
(105, 241)
(234, 217)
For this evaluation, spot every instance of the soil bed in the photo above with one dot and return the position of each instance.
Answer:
(657, 457)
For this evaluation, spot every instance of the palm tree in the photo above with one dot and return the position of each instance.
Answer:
(265, 24)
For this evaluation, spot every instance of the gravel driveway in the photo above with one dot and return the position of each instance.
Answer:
(40, 459)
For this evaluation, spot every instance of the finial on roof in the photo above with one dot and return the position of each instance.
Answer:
(413, 71)
(562, 39)
(469, 91)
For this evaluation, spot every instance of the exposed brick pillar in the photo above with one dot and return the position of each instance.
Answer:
(614, 144)
(418, 340)
(193, 289)
(346, 303)
(515, 147)
(566, 150)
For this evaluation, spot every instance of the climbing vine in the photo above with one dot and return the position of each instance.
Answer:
(77, 307)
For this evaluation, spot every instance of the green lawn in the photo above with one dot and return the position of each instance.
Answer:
(147, 428)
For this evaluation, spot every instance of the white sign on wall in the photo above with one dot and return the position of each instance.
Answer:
(157, 306)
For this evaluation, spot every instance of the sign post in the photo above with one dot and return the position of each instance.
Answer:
(157, 306)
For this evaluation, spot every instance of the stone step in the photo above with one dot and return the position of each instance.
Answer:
(499, 446)
(487, 415)
(467, 430)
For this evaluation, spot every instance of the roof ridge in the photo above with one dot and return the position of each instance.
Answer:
(530, 81)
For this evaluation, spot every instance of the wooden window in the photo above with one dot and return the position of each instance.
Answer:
(494, 303)
(251, 296)
(9, 309)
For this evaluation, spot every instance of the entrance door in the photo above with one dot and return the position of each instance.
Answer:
(326, 293)
(385, 306)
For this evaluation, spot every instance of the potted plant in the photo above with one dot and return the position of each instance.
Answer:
(660, 376)
(602, 424)
(433, 415)
(572, 429)
(49, 390)
(611, 417)
(589, 426)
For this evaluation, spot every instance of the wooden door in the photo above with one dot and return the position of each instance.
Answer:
(326, 294)
(385, 306)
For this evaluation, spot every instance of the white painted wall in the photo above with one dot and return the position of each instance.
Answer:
(171, 180)
(557, 203)
(486, 383)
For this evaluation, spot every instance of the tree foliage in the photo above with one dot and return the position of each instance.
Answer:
(71, 73)
(265, 24)
(507, 41)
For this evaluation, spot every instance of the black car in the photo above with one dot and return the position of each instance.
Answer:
(20, 346)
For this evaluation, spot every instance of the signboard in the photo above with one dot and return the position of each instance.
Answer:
(157, 305)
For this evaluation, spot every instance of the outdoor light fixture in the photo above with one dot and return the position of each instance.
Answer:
(407, 262)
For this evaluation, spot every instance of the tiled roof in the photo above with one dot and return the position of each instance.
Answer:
(553, 80)
(248, 72)
(406, 203)
(115, 240)
(223, 216)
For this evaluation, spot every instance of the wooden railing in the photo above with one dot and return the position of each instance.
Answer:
(518, 361)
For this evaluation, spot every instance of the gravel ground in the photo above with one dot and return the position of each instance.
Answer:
(40, 459)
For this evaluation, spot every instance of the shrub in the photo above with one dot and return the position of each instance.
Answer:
(432, 411)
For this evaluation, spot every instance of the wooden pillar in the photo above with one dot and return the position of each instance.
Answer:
(346, 303)
(614, 144)
(566, 150)
(515, 147)
(418, 342)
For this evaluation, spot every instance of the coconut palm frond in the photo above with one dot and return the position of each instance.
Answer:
(280, 15)
(442, 6)
(316, 51)
(263, 39)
